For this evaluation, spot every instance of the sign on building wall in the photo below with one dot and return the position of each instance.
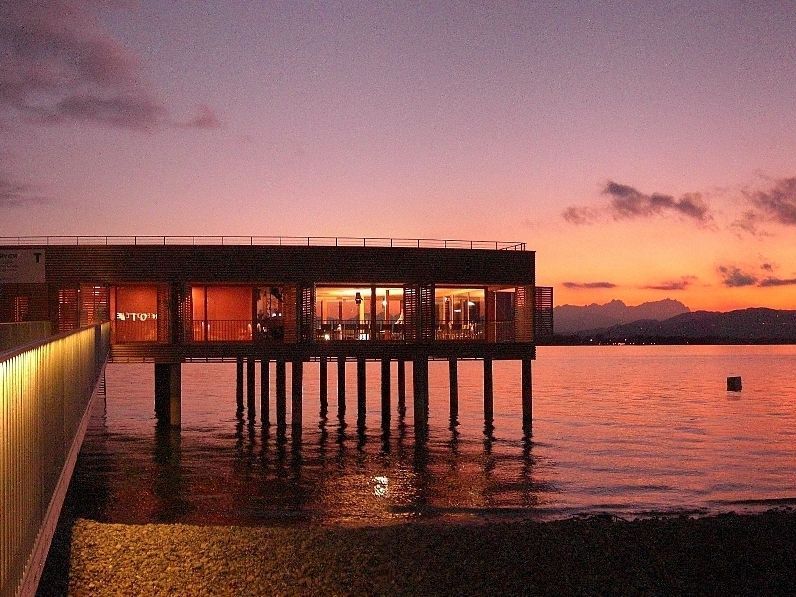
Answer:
(22, 266)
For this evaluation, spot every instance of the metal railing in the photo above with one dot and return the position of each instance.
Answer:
(222, 330)
(307, 241)
(45, 391)
(336, 330)
(460, 331)
(135, 331)
(24, 332)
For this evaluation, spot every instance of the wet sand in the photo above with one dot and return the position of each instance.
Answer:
(727, 554)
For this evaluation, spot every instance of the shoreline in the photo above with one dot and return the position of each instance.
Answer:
(726, 553)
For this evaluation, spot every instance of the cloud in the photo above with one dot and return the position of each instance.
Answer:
(627, 203)
(734, 277)
(584, 285)
(59, 64)
(133, 112)
(579, 215)
(683, 283)
(15, 194)
(205, 118)
(778, 203)
(769, 282)
(767, 267)
(750, 222)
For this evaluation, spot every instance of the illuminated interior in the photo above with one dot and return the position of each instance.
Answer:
(270, 313)
(222, 313)
(460, 313)
(135, 313)
(358, 313)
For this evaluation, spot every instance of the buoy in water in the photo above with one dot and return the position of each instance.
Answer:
(734, 383)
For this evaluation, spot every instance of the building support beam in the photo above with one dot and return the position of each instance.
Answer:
(168, 393)
(340, 386)
(250, 385)
(239, 383)
(527, 395)
(453, 382)
(401, 387)
(361, 391)
(281, 395)
(420, 393)
(323, 386)
(385, 393)
(489, 409)
(297, 395)
(265, 391)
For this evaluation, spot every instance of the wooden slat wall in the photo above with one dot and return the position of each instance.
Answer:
(244, 264)
(523, 314)
(307, 313)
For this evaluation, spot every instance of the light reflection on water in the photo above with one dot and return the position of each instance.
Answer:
(627, 430)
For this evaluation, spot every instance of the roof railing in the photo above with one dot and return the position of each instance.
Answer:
(309, 241)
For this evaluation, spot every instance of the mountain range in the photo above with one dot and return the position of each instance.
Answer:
(671, 321)
(571, 319)
(744, 325)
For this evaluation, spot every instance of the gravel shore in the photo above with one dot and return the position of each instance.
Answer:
(727, 555)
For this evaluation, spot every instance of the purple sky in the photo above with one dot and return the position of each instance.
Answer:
(644, 150)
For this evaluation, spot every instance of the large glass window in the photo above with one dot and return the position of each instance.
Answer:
(135, 313)
(222, 313)
(460, 313)
(270, 313)
(389, 313)
(342, 313)
(358, 313)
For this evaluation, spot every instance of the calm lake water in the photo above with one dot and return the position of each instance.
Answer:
(624, 430)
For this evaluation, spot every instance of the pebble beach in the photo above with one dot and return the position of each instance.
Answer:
(728, 554)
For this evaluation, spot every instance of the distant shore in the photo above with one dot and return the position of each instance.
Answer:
(725, 554)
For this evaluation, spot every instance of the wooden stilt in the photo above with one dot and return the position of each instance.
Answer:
(488, 394)
(453, 378)
(265, 390)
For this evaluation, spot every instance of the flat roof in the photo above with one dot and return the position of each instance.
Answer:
(306, 241)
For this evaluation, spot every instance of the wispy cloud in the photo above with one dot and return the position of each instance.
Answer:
(205, 118)
(590, 285)
(15, 194)
(628, 203)
(682, 284)
(59, 64)
(768, 282)
(775, 204)
(579, 215)
(733, 277)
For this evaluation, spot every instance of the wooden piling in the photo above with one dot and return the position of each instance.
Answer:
(341, 386)
(250, 384)
(453, 379)
(527, 395)
(168, 393)
(489, 410)
(385, 392)
(323, 386)
(239, 383)
(401, 386)
(297, 397)
(265, 391)
(281, 394)
(420, 392)
(361, 390)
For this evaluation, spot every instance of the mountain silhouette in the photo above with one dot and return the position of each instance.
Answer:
(570, 319)
(743, 325)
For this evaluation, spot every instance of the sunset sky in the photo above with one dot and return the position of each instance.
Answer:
(644, 151)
